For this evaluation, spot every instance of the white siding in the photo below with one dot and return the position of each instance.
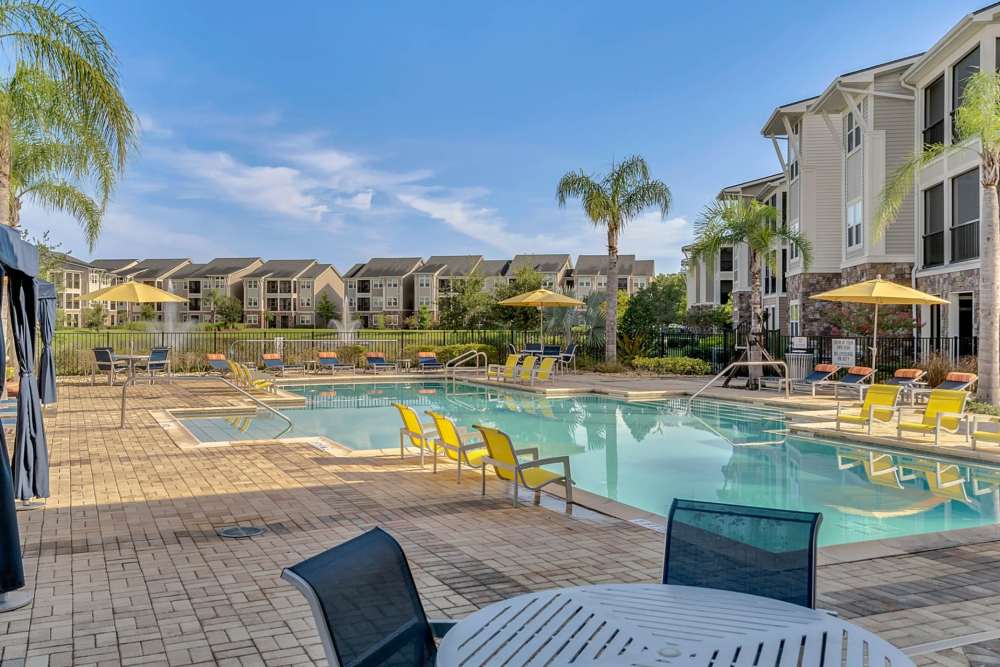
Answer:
(895, 118)
(821, 205)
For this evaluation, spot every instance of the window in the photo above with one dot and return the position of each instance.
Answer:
(960, 74)
(305, 284)
(602, 281)
(934, 225)
(351, 284)
(305, 319)
(251, 284)
(251, 302)
(392, 283)
(770, 279)
(934, 112)
(965, 216)
(392, 302)
(793, 319)
(784, 270)
(784, 210)
(793, 158)
(725, 291)
(305, 302)
(585, 283)
(252, 319)
(220, 282)
(726, 259)
(424, 281)
(640, 283)
(793, 250)
(852, 132)
(376, 303)
(854, 224)
(377, 283)
(424, 301)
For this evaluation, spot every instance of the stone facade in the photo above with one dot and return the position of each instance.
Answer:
(945, 284)
(896, 272)
(814, 316)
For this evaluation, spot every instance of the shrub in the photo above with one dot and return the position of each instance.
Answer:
(672, 365)
(939, 365)
(446, 353)
(350, 354)
(981, 408)
(609, 367)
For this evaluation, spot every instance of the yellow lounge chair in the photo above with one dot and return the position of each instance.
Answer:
(420, 435)
(527, 369)
(504, 372)
(245, 379)
(985, 436)
(877, 399)
(945, 410)
(508, 466)
(544, 371)
(944, 480)
(879, 468)
(449, 441)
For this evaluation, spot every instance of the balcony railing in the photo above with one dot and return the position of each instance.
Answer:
(934, 134)
(965, 241)
(934, 249)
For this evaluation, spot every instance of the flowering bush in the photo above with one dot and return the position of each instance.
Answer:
(672, 365)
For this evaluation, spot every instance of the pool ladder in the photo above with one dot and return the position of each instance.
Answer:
(451, 368)
(780, 364)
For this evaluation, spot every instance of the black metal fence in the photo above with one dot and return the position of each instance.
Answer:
(74, 349)
(721, 349)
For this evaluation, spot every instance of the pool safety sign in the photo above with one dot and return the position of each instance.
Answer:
(843, 352)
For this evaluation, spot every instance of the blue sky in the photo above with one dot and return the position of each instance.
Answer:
(338, 131)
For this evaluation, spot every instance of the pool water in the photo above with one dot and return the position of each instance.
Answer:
(647, 454)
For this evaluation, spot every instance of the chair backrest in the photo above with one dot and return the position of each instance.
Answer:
(570, 350)
(528, 366)
(374, 358)
(500, 448)
(159, 354)
(881, 394)
(551, 350)
(957, 380)
(857, 374)
(328, 358)
(511, 365)
(945, 400)
(946, 480)
(755, 550)
(909, 374)
(821, 372)
(216, 360)
(427, 359)
(103, 356)
(545, 368)
(365, 603)
(272, 359)
(511, 349)
(447, 433)
(532, 347)
(411, 422)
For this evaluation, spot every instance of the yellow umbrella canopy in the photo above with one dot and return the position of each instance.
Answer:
(133, 292)
(879, 292)
(541, 298)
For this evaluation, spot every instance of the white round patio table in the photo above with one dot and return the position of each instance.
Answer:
(654, 625)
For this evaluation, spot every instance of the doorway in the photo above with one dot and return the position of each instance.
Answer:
(966, 318)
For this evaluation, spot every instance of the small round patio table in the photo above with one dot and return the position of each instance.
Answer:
(658, 625)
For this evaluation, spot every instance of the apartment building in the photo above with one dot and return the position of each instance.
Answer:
(552, 267)
(382, 286)
(591, 275)
(438, 277)
(494, 273)
(195, 282)
(74, 279)
(283, 293)
(948, 192)
(153, 272)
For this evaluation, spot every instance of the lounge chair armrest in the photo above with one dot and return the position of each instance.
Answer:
(527, 451)
(977, 417)
(469, 446)
(498, 464)
(551, 460)
(441, 626)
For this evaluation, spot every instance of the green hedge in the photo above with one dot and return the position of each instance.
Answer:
(446, 353)
(672, 365)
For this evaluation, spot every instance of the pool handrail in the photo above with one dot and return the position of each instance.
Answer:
(451, 367)
(780, 364)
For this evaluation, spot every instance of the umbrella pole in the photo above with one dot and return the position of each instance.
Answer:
(541, 326)
(875, 339)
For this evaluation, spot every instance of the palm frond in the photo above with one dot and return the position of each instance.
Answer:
(647, 194)
(977, 116)
(899, 185)
(66, 197)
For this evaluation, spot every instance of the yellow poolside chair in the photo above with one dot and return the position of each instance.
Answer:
(420, 436)
(449, 440)
(880, 469)
(945, 410)
(877, 399)
(245, 378)
(503, 372)
(544, 371)
(944, 480)
(529, 474)
(979, 435)
(527, 369)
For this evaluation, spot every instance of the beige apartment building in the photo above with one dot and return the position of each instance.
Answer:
(494, 273)
(552, 267)
(283, 293)
(590, 275)
(195, 282)
(153, 272)
(382, 286)
(74, 279)
(438, 276)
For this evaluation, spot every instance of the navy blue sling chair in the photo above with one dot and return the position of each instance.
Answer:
(365, 604)
(754, 550)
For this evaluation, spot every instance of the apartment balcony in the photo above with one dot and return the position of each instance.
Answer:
(934, 249)
(934, 134)
(965, 242)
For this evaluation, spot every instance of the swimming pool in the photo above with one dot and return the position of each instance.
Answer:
(647, 454)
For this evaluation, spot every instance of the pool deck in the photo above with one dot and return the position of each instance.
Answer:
(126, 567)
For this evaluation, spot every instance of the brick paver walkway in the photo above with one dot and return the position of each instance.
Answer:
(126, 567)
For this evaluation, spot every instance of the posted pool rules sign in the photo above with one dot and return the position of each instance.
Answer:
(843, 352)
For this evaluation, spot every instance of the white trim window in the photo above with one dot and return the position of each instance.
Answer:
(377, 283)
(350, 302)
(392, 302)
(305, 302)
(855, 217)
(392, 283)
(793, 249)
(793, 318)
(252, 302)
(251, 284)
(852, 132)
(424, 301)
(585, 283)
(251, 319)
(305, 319)
(424, 281)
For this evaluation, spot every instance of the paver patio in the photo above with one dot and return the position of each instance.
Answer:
(126, 567)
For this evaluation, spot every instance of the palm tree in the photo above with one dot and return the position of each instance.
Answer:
(612, 202)
(742, 221)
(977, 129)
(67, 45)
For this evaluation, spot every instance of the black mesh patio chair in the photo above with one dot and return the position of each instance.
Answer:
(754, 550)
(105, 362)
(365, 604)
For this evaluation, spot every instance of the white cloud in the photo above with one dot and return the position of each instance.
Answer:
(361, 201)
(149, 126)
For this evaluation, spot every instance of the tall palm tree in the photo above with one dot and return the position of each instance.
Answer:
(977, 129)
(67, 45)
(739, 221)
(612, 202)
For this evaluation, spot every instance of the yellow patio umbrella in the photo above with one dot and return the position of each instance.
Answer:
(133, 292)
(879, 292)
(541, 298)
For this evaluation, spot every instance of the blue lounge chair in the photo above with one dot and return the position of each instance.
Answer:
(376, 362)
(273, 363)
(856, 377)
(428, 361)
(217, 363)
(365, 604)
(821, 373)
(551, 351)
(955, 380)
(158, 362)
(331, 361)
(532, 348)
(754, 550)
(568, 357)
(105, 362)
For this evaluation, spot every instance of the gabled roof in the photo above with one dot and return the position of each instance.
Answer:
(774, 127)
(644, 267)
(456, 265)
(281, 268)
(189, 271)
(66, 259)
(114, 265)
(832, 99)
(154, 269)
(542, 263)
(490, 268)
(392, 267)
(316, 270)
(750, 188)
(597, 265)
(224, 266)
(427, 267)
(966, 27)
(353, 271)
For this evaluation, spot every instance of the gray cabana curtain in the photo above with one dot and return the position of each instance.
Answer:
(17, 255)
(31, 454)
(45, 292)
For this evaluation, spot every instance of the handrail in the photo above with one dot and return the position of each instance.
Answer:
(780, 364)
(463, 358)
(253, 398)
